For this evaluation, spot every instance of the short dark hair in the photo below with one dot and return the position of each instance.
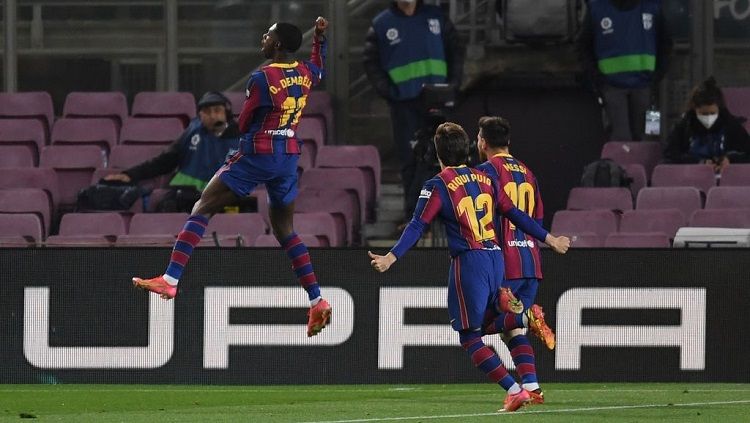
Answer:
(289, 35)
(495, 131)
(452, 144)
(705, 94)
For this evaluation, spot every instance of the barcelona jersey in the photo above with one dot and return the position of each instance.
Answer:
(276, 95)
(520, 185)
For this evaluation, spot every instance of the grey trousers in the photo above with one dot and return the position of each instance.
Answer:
(626, 109)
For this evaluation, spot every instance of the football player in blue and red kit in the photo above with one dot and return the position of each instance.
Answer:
(466, 200)
(523, 269)
(269, 151)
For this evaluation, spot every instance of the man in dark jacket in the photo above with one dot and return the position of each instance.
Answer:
(408, 45)
(198, 153)
(624, 48)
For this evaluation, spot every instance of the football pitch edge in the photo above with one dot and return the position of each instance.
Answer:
(568, 402)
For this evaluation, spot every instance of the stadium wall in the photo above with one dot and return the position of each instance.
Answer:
(72, 316)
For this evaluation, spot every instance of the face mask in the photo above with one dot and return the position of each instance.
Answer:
(708, 120)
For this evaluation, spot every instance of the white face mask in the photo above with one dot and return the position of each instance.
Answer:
(708, 120)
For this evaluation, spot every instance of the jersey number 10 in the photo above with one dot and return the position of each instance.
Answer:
(522, 196)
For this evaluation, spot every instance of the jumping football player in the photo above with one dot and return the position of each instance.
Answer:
(523, 269)
(465, 199)
(269, 151)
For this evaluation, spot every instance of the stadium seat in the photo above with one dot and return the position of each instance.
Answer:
(32, 177)
(165, 104)
(73, 165)
(25, 225)
(29, 105)
(27, 200)
(728, 198)
(79, 241)
(322, 225)
(599, 222)
(738, 102)
(319, 107)
(581, 240)
(365, 157)
(237, 98)
(349, 179)
(267, 241)
(111, 105)
(126, 156)
(684, 175)
(637, 240)
(145, 241)
(16, 156)
(312, 134)
(638, 173)
(157, 223)
(667, 221)
(101, 132)
(162, 131)
(231, 226)
(721, 218)
(600, 198)
(92, 224)
(304, 163)
(685, 199)
(644, 153)
(29, 133)
(342, 206)
(736, 175)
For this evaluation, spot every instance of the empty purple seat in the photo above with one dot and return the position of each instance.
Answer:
(27, 225)
(338, 203)
(269, 241)
(73, 165)
(237, 98)
(126, 156)
(684, 175)
(600, 198)
(598, 222)
(16, 156)
(365, 157)
(728, 198)
(349, 179)
(231, 226)
(29, 133)
(721, 218)
(738, 101)
(165, 104)
(736, 175)
(685, 199)
(157, 223)
(92, 224)
(29, 105)
(32, 177)
(582, 240)
(162, 131)
(304, 163)
(638, 173)
(319, 107)
(312, 134)
(645, 153)
(111, 105)
(145, 241)
(322, 225)
(95, 131)
(667, 221)
(27, 200)
(637, 240)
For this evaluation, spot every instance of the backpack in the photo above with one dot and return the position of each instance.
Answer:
(108, 195)
(605, 173)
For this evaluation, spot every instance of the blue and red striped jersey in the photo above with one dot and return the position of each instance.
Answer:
(516, 180)
(276, 95)
(464, 198)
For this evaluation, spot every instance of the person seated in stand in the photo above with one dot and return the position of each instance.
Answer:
(708, 133)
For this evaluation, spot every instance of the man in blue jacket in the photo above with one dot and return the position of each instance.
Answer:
(408, 45)
(624, 47)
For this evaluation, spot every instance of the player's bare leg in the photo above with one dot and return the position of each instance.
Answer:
(213, 199)
(282, 223)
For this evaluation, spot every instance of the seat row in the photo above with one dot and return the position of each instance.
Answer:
(160, 229)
